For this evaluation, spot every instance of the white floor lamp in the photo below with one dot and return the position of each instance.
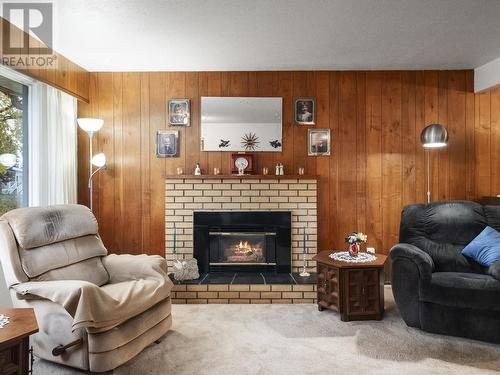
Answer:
(432, 136)
(90, 126)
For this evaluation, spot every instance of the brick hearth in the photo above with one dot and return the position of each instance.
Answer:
(244, 293)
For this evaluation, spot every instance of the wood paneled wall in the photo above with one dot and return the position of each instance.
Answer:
(376, 166)
(487, 141)
(64, 75)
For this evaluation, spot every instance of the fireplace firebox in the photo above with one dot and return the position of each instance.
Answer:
(242, 241)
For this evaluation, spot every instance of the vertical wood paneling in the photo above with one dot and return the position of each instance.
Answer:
(391, 158)
(482, 138)
(457, 133)
(375, 168)
(347, 152)
(106, 137)
(409, 141)
(119, 204)
(131, 162)
(360, 150)
(421, 186)
(335, 240)
(146, 149)
(470, 168)
(374, 157)
(495, 142)
(323, 162)
(157, 121)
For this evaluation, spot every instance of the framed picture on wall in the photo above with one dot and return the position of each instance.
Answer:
(305, 111)
(179, 112)
(318, 142)
(167, 143)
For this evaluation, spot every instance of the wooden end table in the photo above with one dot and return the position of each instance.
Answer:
(354, 290)
(14, 341)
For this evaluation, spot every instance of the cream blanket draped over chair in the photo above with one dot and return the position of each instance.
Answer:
(96, 307)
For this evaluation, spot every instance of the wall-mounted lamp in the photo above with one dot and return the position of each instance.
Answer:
(432, 136)
(90, 126)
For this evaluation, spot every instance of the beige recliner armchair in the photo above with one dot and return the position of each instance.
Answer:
(95, 311)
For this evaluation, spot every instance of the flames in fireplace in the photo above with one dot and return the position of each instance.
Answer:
(244, 251)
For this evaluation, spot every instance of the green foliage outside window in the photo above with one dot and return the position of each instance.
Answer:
(11, 142)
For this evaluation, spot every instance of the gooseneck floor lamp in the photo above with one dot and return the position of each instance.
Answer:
(90, 126)
(432, 136)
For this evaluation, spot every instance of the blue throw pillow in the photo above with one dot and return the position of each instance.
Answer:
(485, 248)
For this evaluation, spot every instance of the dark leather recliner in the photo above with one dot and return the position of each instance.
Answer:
(435, 287)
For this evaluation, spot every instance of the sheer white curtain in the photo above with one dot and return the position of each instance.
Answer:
(52, 146)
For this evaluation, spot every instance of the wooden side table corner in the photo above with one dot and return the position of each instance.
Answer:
(354, 290)
(14, 341)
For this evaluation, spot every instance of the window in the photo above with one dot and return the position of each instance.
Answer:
(13, 145)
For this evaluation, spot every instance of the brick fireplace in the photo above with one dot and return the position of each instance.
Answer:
(186, 195)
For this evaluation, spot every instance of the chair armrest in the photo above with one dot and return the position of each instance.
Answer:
(128, 267)
(494, 270)
(411, 269)
(56, 291)
(411, 253)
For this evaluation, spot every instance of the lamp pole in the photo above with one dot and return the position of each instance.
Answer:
(428, 156)
(91, 135)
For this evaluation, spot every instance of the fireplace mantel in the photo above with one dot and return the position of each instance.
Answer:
(246, 176)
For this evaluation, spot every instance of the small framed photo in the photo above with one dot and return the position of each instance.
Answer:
(167, 143)
(305, 111)
(179, 112)
(318, 142)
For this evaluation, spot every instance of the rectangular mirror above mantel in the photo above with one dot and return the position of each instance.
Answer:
(239, 124)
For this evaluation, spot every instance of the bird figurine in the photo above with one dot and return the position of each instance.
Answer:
(275, 144)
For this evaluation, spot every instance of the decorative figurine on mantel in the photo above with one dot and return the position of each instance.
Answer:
(197, 170)
(280, 170)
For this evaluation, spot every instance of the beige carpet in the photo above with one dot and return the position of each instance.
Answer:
(288, 339)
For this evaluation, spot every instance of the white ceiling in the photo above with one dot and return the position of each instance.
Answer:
(147, 35)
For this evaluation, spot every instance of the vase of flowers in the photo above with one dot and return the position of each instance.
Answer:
(354, 240)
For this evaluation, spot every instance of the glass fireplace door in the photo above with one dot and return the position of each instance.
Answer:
(241, 248)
